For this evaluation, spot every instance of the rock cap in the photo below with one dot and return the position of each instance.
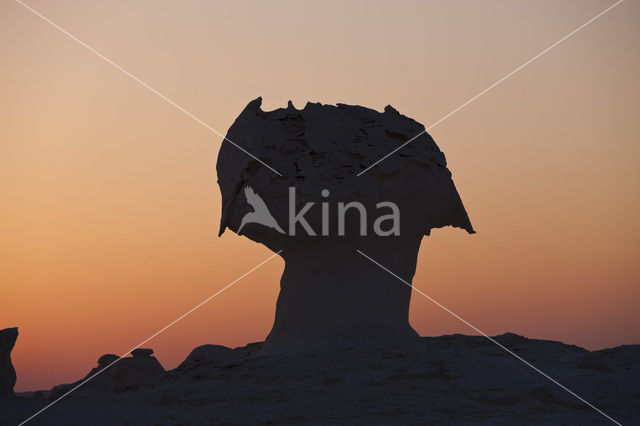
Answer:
(107, 359)
(142, 352)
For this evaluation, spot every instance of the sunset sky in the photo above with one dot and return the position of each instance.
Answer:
(110, 205)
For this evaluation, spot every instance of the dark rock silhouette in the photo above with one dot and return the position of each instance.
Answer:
(452, 379)
(141, 352)
(8, 338)
(329, 293)
(134, 372)
(107, 359)
(207, 354)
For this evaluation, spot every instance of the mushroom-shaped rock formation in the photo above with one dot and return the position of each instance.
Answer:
(8, 338)
(320, 209)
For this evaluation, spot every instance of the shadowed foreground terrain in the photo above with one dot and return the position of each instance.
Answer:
(456, 378)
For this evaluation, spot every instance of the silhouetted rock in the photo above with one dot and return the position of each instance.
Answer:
(453, 379)
(135, 372)
(8, 338)
(330, 293)
(206, 354)
(107, 359)
(117, 375)
(141, 352)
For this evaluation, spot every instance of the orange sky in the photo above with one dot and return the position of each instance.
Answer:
(111, 206)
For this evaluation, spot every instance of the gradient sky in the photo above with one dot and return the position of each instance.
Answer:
(110, 206)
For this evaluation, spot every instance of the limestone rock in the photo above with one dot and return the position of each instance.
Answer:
(107, 359)
(135, 372)
(330, 293)
(206, 354)
(141, 353)
(8, 338)
(453, 379)
(127, 373)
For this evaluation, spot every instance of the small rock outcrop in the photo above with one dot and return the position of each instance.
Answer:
(8, 338)
(107, 359)
(141, 353)
(206, 354)
(330, 293)
(119, 374)
(132, 372)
